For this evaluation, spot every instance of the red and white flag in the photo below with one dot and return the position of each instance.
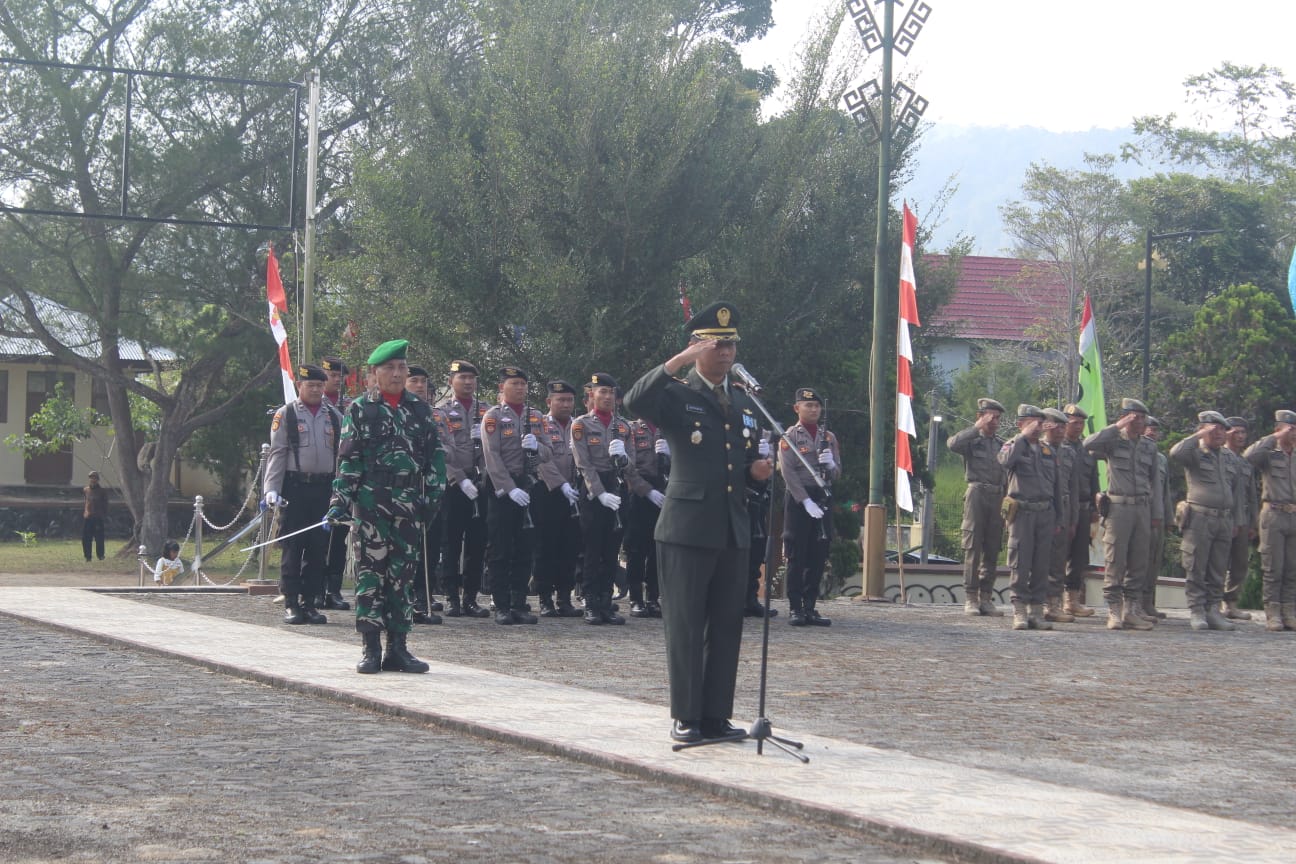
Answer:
(278, 302)
(905, 428)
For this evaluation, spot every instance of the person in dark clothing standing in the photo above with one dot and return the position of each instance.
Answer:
(95, 512)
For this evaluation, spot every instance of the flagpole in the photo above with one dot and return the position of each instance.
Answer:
(312, 168)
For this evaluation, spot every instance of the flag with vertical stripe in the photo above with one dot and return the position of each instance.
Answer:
(278, 302)
(905, 427)
(1090, 397)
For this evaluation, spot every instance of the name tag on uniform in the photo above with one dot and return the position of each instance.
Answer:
(696, 409)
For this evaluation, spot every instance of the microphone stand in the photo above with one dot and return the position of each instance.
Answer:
(761, 730)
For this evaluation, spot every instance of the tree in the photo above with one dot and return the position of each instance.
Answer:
(198, 150)
(1075, 222)
(1236, 358)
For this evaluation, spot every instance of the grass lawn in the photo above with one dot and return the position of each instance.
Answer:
(60, 562)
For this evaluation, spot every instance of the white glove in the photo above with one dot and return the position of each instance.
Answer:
(529, 442)
(815, 511)
(469, 489)
(272, 499)
(616, 447)
(610, 501)
(570, 494)
(826, 458)
(475, 434)
(656, 497)
(662, 447)
(519, 497)
(763, 449)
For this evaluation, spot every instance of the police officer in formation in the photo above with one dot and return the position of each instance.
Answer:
(554, 508)
(1068, 481)
(1156, 550)
(807, 524)
(1086, 511)
(391, 470)
(1033, 507)
(513, 453)
(463, 553)
(983, 524)
(425, 605)
(1240, 551)
(1272, 459)
(600, 447)
(650, 455)
(335, 560)
(304, 437)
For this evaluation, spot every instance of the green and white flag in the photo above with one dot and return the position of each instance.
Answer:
(1091, 383)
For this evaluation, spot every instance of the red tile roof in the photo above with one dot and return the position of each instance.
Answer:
(999, 298)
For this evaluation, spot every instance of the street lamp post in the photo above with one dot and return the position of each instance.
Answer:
(1147, 290)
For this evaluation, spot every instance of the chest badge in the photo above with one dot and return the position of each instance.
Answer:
(696, 437)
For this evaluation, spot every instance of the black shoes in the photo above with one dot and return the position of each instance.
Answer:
(472, 610)
(814, 618)
(721, 729)
(593, 615)
(639, 610)
(371, 660)
(421, 617)
(503, 617)
(398, 658)
(547, 609)
(567, 610)
(434, 606)
(685, 732)
(335, 601)
(754, 609)
(295, 615)
(312, 616)
(797, 618)
(515, 616)
(654, 609)
(453, 609)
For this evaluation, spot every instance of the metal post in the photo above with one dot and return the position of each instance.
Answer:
(198, 534)
(143, 550)
(1147, 312)
(929, 509)
(875, 512)
(312, 166)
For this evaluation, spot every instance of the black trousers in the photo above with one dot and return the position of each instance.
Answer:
(463, 547)
(557, 546)
(93, 530)
(759, 515)
(335, 565)
(702, 610)
(1077, 564)
(641, 549)
(301, 569)
(509, 552)
(601, 542)
(806, 553)
(427, 580)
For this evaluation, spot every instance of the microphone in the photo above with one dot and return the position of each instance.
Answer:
(746, 377)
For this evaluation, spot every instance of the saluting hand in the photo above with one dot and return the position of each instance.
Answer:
(690, 354)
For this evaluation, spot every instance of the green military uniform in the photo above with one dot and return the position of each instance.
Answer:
(390, 474)
(704, 531)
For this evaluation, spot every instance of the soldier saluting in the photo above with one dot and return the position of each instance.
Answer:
(983, 525)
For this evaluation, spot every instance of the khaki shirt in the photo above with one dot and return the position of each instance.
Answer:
(1131, 466)
(560, 468)
(502, 433)
(317, 436)
(796, 478)
(1032, 472)
(1068, 472)
(643, 452)
(1277, 470)
(1250, 500)
(1086, 470)
(454, 427)
(980, 456)
(589, 442)
(1214, 477)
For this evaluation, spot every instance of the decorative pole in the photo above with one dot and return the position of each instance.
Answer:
(859, 103)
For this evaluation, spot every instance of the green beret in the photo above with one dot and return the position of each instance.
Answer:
(393, 350)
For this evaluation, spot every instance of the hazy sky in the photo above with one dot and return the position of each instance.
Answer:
(1061, 64)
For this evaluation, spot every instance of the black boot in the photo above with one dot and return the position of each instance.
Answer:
(293, 614)
(566, 609)
(398, 658)
(593, 609)
(422, 617)
(333, 600)
(313, 616)
(472, 610)
(453, 609)
(371, 660)
(609, 611)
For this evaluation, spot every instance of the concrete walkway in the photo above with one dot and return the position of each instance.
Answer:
(946, 809)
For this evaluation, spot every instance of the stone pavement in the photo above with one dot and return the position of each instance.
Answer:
(945, 806)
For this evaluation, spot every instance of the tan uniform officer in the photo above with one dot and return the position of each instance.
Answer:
(1272, 458)
(983, 525)
(1033, 507)
(1210, 519)
(1135, 511)
(1146, 608)
(1068, 471)
(1086, 470)
(1240, 550)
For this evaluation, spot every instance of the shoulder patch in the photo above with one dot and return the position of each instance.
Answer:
(489, 423)
(578, 430)
(783, 445)
(274, 424)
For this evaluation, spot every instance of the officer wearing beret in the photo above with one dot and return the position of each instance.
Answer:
(553, 506)
(983, 525)
(425, 605)
(513, 452)
(463, 552)
(1055, 423)
(335, 559)
(299, 473)
(1272, 459)
(1240, 550)
(650, 454)
(1136, 509)
(1211, 520)
(807, 524)
(600, 443)
(1034, 505)
(1086, 471)
(390, 474)
(704, 532)
(337, 372)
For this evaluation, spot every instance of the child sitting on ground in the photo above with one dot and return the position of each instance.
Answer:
(169, 566)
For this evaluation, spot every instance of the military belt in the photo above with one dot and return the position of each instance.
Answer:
(1036, 506)
(1281, 506)
(994, 487)
(306, 479)
(392, 479)
(1213, 511)
(1129, 499)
